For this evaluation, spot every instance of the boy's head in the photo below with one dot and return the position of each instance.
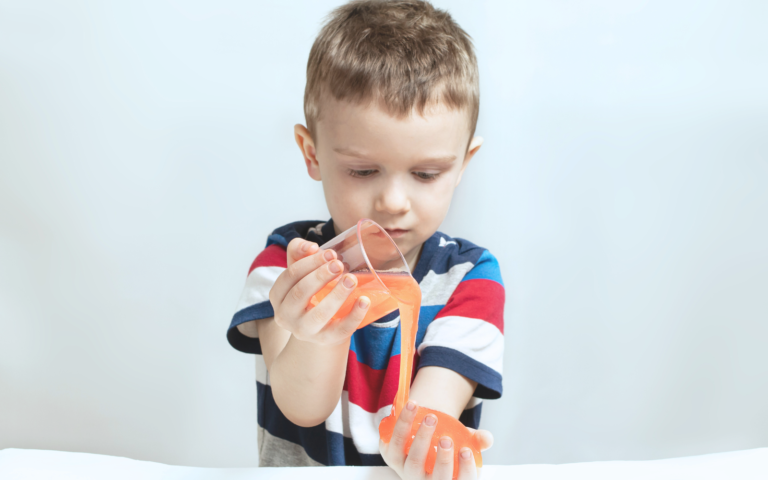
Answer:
(391, 105)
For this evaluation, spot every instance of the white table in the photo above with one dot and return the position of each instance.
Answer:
(17, 464)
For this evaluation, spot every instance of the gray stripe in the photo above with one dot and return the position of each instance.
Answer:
(276, 452)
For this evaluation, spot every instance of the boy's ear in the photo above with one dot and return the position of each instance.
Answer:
(307, 147)
(474, 146)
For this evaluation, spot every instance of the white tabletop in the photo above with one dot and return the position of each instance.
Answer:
(17, 464)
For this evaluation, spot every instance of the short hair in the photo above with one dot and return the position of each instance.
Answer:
(402, 54)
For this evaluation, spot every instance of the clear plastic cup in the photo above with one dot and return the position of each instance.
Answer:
(369, 253)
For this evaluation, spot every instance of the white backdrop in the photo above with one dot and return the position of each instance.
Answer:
(146, 151)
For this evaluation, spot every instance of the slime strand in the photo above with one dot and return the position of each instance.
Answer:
(408, 295)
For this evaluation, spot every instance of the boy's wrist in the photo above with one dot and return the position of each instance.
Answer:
(312, 348)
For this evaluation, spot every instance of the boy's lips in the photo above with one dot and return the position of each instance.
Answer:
(396, 232)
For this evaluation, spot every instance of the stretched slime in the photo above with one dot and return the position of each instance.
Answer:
(404, 293)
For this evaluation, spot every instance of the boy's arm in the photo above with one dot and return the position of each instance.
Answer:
(305, 355)
(306, 378)
(442, 389)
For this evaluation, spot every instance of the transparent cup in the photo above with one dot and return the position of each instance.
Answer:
(370, 254)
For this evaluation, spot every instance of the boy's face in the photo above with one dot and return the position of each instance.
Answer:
(399, 172)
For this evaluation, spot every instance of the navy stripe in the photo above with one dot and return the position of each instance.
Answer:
(254, 312)
(242, 343)
(286, 233)
(322, 446)
(488, 380)
(312, 439)
(471, 416)
(449, 255)
(425, 259)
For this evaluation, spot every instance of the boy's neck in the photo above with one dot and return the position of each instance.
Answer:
(414, 255)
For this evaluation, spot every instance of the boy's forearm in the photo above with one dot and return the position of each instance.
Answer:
(307, 380)
(442, 389)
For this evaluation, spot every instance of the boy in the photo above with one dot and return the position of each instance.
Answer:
(391, 104)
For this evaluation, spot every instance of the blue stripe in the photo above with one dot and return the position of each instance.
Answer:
(488, 380)
(487, 268)
(256, 311)
(374, 346)
(277, 239)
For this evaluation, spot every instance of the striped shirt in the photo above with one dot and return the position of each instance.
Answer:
(461, 328)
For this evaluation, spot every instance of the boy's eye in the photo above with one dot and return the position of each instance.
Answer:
(426, 176)
(361, 173)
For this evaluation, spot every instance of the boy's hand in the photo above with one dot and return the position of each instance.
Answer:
(309, 270)
(412, 466)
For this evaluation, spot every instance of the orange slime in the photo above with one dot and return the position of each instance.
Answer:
(407, 297)
(382, 302)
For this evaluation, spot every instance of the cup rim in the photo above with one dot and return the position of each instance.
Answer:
(368, 262)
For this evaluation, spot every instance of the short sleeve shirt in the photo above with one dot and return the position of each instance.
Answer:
(461, 328)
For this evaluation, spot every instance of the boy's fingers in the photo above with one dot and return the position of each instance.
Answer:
(467, 467)
(295, 273)
(417, 455)
(401, 434)
(346, 327)
(321, 313)
(444, 462)
(485, 439)
(299, 248)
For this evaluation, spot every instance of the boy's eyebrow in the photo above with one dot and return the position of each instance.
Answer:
(353, 153)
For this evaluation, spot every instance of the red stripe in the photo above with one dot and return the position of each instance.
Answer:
(372, 389)
(478, 298)
(272, 256)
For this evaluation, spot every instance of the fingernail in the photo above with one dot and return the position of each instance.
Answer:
(363, 302)
(430, 420)
(305, 246)
(328, 255)
(446, 443)
(349, 280)
(465, 453)
(335, 267)
(411, 405)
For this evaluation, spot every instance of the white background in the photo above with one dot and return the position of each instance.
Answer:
(146, 151)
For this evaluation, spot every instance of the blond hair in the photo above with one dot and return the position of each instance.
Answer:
(405, 55)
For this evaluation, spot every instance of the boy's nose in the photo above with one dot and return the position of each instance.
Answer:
(393, 199)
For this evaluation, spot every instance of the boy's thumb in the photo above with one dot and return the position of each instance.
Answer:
(299, 248)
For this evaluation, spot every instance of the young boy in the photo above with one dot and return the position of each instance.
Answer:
(391, 104)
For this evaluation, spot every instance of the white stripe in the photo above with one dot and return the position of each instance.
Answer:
(475, 338)
(262, 376)
(437, 289)
(364, 427)
(473, 402)
(257, 286)
(339, 420)
(390, 324)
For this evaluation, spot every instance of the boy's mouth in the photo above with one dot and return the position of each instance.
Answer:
(396, 232)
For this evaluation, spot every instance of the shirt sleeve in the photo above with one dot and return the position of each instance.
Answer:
(254, 301)
(467, 335)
